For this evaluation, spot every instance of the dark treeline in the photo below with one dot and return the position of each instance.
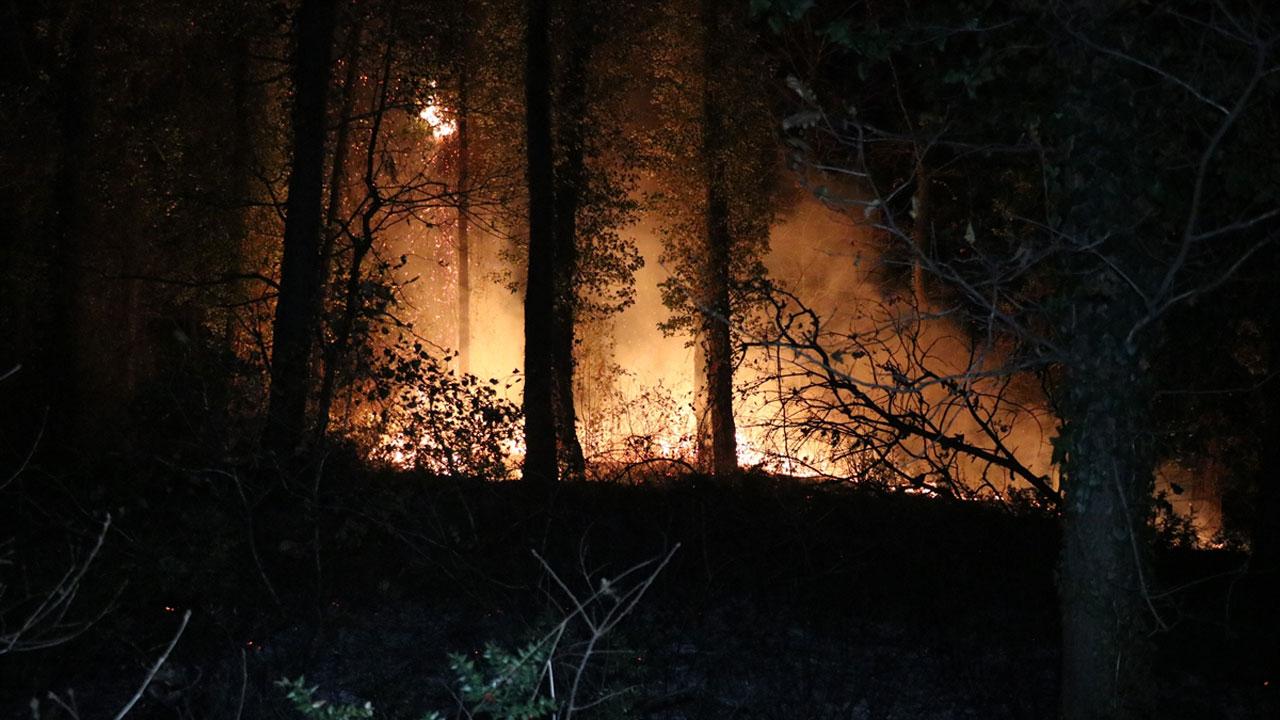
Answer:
(211, 210)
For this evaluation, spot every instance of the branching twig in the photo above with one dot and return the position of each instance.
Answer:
(186, 617)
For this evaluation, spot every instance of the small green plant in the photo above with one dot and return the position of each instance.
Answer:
(502, 685)
(304, 701)
(1173, 531)
(506, 684)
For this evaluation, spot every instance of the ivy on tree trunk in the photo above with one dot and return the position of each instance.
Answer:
(717, 446)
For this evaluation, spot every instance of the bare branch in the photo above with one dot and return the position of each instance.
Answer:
(186, 617)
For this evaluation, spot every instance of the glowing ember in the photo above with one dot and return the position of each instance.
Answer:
(433, 116)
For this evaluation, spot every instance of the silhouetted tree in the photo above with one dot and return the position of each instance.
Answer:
(570, 117)
(1126, 115)
(464, 58)
(541, 463)
(716, 154)
(297, 308)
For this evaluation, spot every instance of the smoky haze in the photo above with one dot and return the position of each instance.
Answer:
(639, 382)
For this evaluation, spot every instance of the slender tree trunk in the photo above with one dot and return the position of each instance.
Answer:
(716, 339)
(1107, 474)
(541, 462)
(333, 351)
(464, 225)
(362, 243)
(301, 267)
(464, 193)
(921, 235)
(570, 176)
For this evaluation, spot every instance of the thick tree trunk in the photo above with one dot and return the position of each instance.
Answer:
(717, 353)
(1265, 557)
(1260, 595)
(300, 268)
(570, 175)
(540, 462)
(1107, 475)
(720, 448)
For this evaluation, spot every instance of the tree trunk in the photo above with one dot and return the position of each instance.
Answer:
(362, 243)
(464, 234)
(1107, 475)
(720, 456)
(540, 462)
(300, 267)
(1264, 560)
(333, 352)
(1253, 613)
(921, 235)
(464, 198)
(570, 175)
(1265, 556)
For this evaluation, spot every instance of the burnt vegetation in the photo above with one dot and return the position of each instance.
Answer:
(608, 358)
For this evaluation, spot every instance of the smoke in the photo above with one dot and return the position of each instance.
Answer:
(636, 384)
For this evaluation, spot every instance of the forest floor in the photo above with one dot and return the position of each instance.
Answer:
(781, 599)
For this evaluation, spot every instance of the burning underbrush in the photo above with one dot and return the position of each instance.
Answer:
(418, 412)
(838, 407)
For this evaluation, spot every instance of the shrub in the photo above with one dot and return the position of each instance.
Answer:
(502, 684)
(305, 702)
(428, 416)
(521, 684)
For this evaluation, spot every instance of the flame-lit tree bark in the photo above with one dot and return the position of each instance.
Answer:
(717, 437)
(296, 316)
(333, 350)
(362, 242)
(464, 194)
(541, 463)
(570, 176)
(717, 165)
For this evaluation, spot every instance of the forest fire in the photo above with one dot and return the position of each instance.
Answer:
(855, 353)
(637, 392)
(437, 119)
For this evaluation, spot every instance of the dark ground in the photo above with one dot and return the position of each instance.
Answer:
(783, 600)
